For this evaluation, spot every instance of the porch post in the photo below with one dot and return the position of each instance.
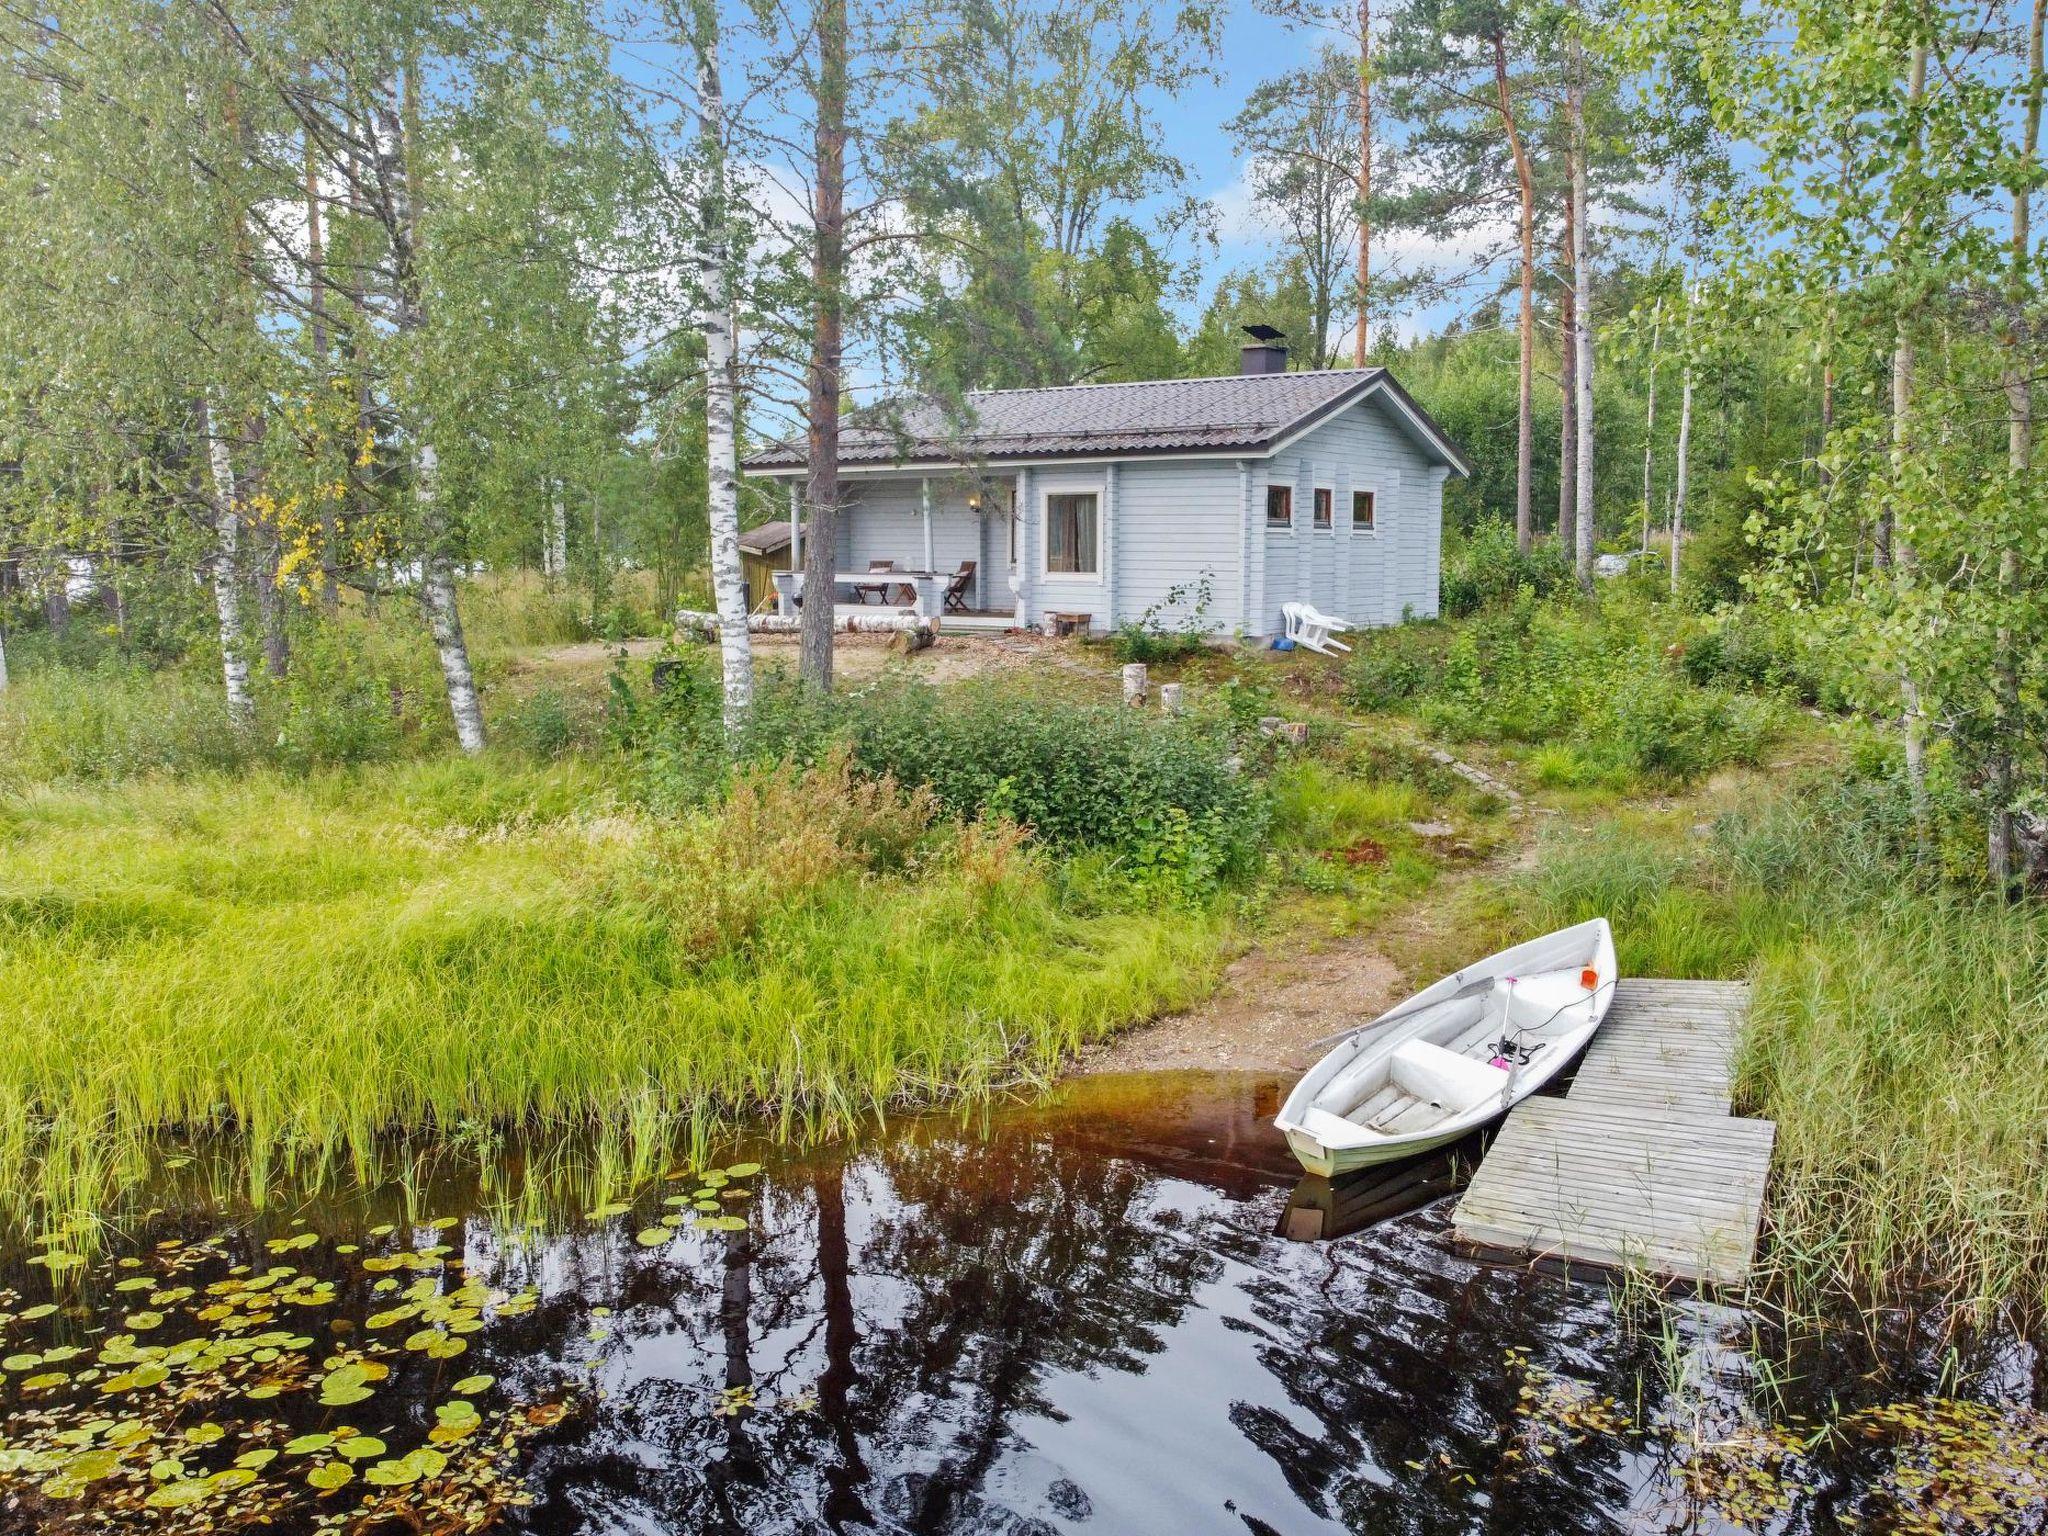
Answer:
(1109, 545)
(1020, 523)
(1244, 546)
(796, 531)
(924, 504)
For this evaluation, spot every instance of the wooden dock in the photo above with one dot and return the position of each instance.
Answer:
(1640, 1164)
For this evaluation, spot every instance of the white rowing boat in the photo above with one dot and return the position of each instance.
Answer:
(1454, 1056)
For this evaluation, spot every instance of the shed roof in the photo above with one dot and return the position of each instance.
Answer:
(768, 538)
(1247, 413)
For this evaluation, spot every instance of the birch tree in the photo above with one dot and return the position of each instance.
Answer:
(1300, 133)
(721, 372)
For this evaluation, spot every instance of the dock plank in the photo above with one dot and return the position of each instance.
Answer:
(1641, 1162)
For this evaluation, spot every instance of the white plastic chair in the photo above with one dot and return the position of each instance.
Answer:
(1309, 626)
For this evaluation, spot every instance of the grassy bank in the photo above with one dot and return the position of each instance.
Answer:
(1895, 1038)
(318, 960)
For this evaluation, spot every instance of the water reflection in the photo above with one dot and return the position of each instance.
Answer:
(1097, 1314)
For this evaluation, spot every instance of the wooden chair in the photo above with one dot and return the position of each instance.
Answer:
(958, 586)
(861, 589)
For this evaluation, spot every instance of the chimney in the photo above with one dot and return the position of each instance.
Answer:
(1266, 352)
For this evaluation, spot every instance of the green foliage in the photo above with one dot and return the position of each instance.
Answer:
(112, 722)
(1485, 568)
(1598, 688)
(1077, 775)
(1172, 629)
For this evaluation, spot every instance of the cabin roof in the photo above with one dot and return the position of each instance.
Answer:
(1251, 414)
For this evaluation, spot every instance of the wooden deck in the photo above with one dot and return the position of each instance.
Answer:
(1640, 1163)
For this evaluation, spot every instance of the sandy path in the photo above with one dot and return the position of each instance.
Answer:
(1272, 1005)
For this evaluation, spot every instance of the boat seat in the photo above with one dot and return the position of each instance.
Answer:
(1438, 1076)
(1543, 998)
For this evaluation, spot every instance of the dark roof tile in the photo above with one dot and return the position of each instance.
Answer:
(1160, 416)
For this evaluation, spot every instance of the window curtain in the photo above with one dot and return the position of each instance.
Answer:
(1070, 534)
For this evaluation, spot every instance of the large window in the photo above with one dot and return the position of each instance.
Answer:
(1324, 496)
(1279, 506)
(1071, 546)
(1362, 511)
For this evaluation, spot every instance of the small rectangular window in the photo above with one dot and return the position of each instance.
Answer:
(1279, 506)
(1070, 534)
(1362, 510)
(1324, 497)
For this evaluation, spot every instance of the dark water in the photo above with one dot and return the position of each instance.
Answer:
(1120, 1312)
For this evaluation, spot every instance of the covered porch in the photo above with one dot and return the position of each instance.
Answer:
(929, 545)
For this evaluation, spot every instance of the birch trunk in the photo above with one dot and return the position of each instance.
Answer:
(3, 659)
(721, 384)
(316, 306)
(1525, 184)
(1582, 315)
(2019, 457)
(554, 547)
(444, 616)
(396, 172)
(1650, 426)
(828, 289)
(1682, 472)
(1364, 182)
(227, 605)
(1894, 549)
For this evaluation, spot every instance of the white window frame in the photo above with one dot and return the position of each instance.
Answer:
(1314, 492)
(1369, 530)
(1045, 571)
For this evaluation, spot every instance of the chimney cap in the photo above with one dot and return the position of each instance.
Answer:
(1263, 333)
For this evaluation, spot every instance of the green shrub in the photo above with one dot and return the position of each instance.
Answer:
(1485, 568)
(357, 692)
(114, 721)
(1077, 775)
(1172, 629)
(1391, 666)
(540, 726)
(1613, 683)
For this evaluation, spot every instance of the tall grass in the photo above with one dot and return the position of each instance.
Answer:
(313, 962)
(1896, 1037)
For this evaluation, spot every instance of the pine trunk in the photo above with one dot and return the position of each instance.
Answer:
(721, 385)
(1582, 316)
(1568, 395)
(828, 287)
(1525, 186)
(1364, 182)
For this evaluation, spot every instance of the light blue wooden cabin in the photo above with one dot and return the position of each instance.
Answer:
(1230, 496)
